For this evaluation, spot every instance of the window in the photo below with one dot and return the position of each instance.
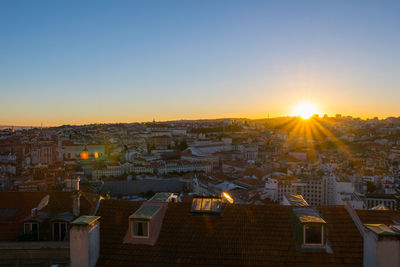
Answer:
(32, 229)
(206, 205)
(140, 229)
(60, 230)
(313, 234)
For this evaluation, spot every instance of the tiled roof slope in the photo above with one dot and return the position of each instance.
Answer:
(16, 206)
(22, 203)
(249, 235)
(62, 202)
(388, 217)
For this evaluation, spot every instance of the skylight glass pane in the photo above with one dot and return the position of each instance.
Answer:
(216, 205)
(206, 204)
(196, 205)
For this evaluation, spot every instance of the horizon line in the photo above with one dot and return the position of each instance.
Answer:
(199, 119)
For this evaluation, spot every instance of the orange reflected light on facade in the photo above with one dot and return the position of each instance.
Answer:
(84, 155)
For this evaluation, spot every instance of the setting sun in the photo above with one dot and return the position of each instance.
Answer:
(305, 110)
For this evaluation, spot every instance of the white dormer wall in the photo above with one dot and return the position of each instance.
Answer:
(380, 251)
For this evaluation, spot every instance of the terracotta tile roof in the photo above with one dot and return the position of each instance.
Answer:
(245, 235)
(62, 202)
(16, 206)
(22, 203)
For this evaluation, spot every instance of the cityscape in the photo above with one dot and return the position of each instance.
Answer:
(164, 134)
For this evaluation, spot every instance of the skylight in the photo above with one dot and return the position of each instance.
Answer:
(204, 204)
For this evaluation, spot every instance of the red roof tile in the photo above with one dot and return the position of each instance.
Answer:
(244, 235)
(16, 206)
(22, 203)
(388, 217)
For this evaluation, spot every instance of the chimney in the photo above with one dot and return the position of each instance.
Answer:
(381, 243)
(85, 241)
(76, 203)
(77, 183)
(381, 246)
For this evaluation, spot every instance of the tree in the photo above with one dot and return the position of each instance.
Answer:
(182, 145)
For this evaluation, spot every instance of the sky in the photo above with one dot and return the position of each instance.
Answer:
(79, 62)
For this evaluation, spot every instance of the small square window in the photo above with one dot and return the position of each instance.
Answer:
(313, 234)
(140, 229)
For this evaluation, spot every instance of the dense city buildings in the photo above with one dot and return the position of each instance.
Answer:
(246, 179)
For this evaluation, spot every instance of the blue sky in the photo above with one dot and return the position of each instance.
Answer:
(109, 61)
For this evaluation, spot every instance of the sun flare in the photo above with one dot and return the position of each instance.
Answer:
(305, 110)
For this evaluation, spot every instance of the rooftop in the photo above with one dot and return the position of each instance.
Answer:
(145, 212)
(296, 200)
(308, 215)
(381, 230)
(85, 220)
(161, 197)
(244, 235)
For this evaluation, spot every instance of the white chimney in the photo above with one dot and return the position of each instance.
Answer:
(381, 246)
(381, 243)
(85, 241)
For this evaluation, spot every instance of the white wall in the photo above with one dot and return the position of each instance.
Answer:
(84, 245)
(388, 253)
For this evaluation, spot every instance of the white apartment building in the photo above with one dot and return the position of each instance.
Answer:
(114, 171)
(326, 190)
(314, 191)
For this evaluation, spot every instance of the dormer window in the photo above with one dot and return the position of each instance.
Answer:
(145, 223)
(313, 234)
(309, 229)
(60, 230)
(140, 229)
(32, 229)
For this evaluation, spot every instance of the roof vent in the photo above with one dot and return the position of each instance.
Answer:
(164, 197)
